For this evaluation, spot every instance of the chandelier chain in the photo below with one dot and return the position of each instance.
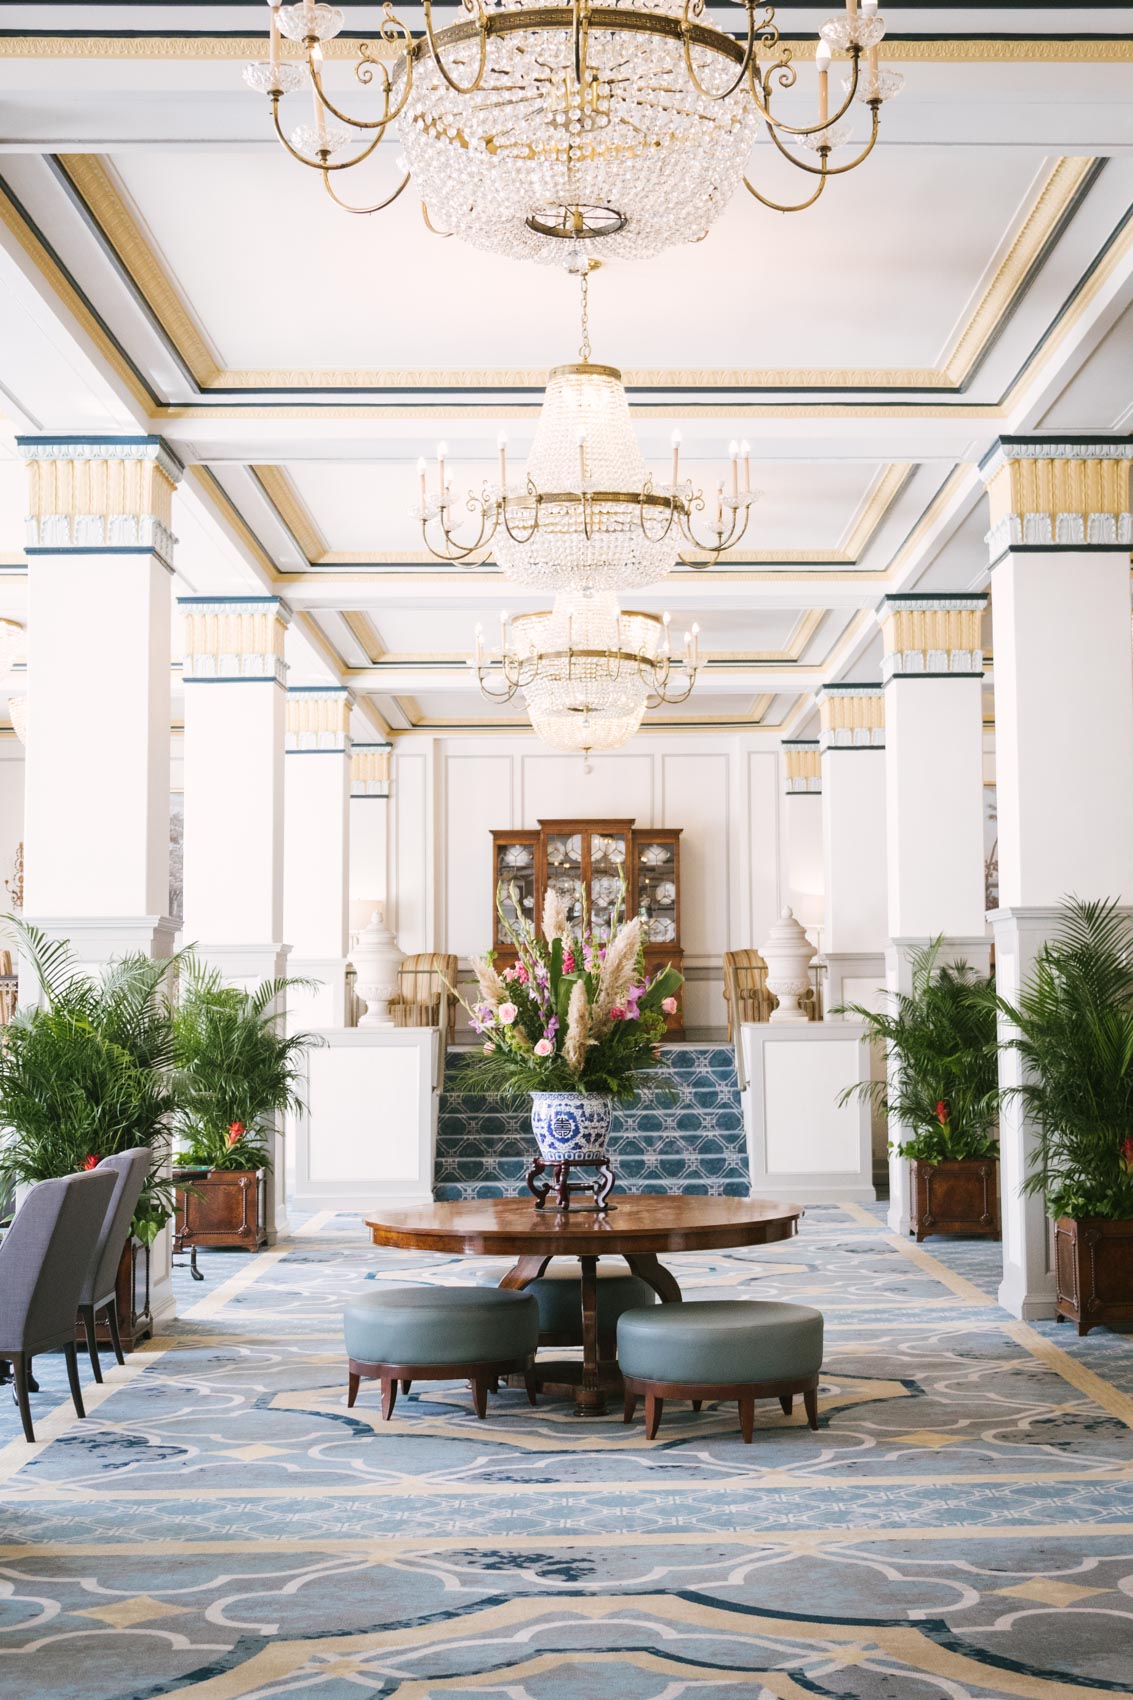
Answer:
(584, 345)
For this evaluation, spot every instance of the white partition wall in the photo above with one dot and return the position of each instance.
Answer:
(855, 920)
(369, 1133)
(802, 1143)
(316, 862)
(804, 875)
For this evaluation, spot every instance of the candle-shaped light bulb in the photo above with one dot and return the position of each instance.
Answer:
(822, 60)
(745, 451)
(869, 10)
(479, 643)
(581, 458)
(675, 439)
(734, 457)
(422, 469)
(504, 617)
(273, 33)
(316, 98)
(720, 506)
(501, 444)
(666, 619)
(851, 9)
(695, 644)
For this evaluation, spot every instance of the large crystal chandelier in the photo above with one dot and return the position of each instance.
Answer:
(587, 669)
(554, 132)
(585, 515)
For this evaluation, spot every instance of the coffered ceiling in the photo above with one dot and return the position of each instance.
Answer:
(164, 267)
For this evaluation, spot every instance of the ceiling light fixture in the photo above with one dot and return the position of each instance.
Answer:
(585, 515)
(544, 132)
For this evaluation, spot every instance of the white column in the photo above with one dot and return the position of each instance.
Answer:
(369, 831)
(802, 762)
(933, 673)
(316, 862)
(235, 709)
(96, 839)
(96, 833)
(855, 929)
(1059, 541)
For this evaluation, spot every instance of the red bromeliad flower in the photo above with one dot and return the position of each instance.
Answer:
(235, 1132)
(92, 1161)
(942, 1112)
(1127, 1156)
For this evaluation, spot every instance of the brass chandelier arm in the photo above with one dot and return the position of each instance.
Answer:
(377, 206)
(657, 698)
(786, 74)
(319, 164)
(745, 64)
(369, 65)
(476, 8)
(826, 169)
(460, 552)
(510, 686)
(794, 206)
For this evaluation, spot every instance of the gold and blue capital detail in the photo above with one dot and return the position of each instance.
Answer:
(1061, 492)
(223, 1527)
(851, 717)
(100, 495)
(318, 720)
(932, 635)
(233, 639)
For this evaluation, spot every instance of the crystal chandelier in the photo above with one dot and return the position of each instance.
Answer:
(585, 515)
(549, 132)
(18, 715)
(587, 669)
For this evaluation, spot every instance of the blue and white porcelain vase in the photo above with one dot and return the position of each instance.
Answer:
(571, 1127)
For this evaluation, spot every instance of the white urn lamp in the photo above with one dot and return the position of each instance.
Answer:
(376, 959)
(788, 954)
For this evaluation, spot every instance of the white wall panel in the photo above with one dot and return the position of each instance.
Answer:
(412, 884)
(478, 801)
(620, 785)
(764, 840)
(695, 796)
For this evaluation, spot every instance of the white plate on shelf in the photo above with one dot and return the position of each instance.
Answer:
(605, 890)
(517, 856)
(608, 850)
(662, 930)
(656, 855)
(665, 895)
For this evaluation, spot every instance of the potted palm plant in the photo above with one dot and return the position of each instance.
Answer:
(573, 1025)
(236, 1074)
(942, 1087)
(87, 1073)
(1073, 1030)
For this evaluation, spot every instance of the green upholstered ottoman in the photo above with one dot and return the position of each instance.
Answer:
(558, 1293)
(738, 1349)
(407, 1334)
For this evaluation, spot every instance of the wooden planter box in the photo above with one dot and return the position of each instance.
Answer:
(956, 1198)
(225, 1208)
(135, 1319)
(1093, 1269)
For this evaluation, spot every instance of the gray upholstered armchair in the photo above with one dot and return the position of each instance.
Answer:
(100, 1289)
(44, 1260)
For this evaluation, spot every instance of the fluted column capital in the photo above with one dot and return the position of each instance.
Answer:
(932, 635)
(233, 639)
(802, 762)
(852, 717)
(1063, 491)
(100, 495)
(318, 720)
(370, 770)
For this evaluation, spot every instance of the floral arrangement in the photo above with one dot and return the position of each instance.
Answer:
(577, 1013)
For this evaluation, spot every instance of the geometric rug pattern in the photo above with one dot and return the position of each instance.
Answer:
(689, 1139)
(222, 1526)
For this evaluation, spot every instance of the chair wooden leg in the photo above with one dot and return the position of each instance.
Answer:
(405, 1386)
(389, 1397)
(493, 1384)
(480, 1395)
(87, 1314)
(747, 1416)
(629, 1407)
(810, 1405)
(697, 1403)
(352, 1381)
(112, 1324)
(20, 1372)
(531, 1385)
(654, 1405)
(72, 1358)
(787, 1400)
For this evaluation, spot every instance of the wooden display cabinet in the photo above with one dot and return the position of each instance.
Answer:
(588, 858)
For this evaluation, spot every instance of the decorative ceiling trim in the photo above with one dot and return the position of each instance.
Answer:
(365, 634)
(205, 483)
(1100, 50)
(291, 510)
(106, 204)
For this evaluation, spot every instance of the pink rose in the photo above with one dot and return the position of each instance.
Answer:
(669, 1005)
(506, 1014)
(544, 1048)
(488, 1047)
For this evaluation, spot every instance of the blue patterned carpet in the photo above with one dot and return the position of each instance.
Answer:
(690, 1140)
(960, 1529)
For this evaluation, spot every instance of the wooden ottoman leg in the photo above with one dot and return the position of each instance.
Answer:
(531, 1384)
(696, 1404)
(405, 1386)
(352, 1381)
(787, 1400)
(747, 1416)
(654, 1405)
(480, 1394)
(810, 1405)
(629, 1407)
(389, 1396)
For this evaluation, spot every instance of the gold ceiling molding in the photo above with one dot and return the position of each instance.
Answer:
(1112, 261)
(887, 486)
(89, 175)
(292, 510)
(417, 413)
(109, 209)
(1054, 199)
(1083, 50)
(218, 499)
(364, 632)
(72, 300)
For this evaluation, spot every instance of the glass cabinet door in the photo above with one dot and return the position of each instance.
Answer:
(607, 871)
(656, 889)
(564, 872)
(515, 878)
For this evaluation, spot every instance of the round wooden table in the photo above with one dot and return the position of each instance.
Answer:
(636, 1228)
